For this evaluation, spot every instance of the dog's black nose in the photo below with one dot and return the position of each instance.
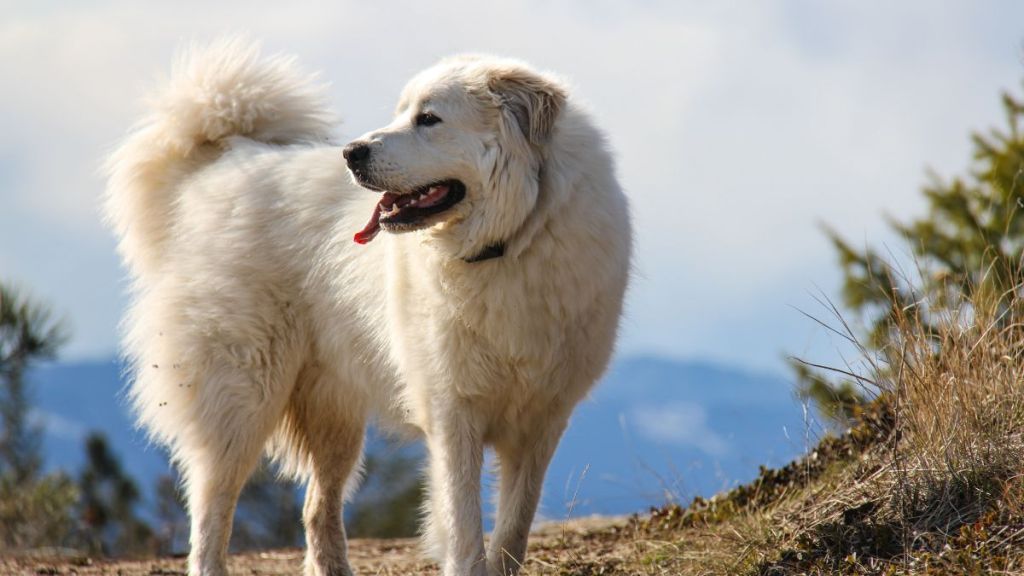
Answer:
(357, 154)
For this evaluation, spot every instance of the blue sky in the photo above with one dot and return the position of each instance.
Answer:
(739, 127)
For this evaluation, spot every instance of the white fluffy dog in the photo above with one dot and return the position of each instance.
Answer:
(482, 316)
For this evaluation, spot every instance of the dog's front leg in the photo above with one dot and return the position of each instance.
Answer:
(454, 529)
(522, 460)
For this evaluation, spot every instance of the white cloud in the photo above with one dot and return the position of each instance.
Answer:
(738, 125)
(678, 424)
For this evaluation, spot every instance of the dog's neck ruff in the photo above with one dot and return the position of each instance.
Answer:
(492, 251)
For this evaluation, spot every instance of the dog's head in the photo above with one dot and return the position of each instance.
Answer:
(463, 153)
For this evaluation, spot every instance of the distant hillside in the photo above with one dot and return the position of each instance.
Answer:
(74, 398)
(652, 430)
(656, 429)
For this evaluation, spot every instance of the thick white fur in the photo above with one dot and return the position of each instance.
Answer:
(258, 325)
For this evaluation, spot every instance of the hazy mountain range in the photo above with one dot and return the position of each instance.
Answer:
(654, 429)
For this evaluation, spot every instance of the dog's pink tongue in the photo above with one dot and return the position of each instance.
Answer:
(371, 229)
(369, 232)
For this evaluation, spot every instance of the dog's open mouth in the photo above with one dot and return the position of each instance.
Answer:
(401, 212)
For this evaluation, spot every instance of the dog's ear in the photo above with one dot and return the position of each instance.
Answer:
(532, 100)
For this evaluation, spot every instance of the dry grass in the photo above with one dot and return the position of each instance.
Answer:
(930, 482)
(958, 390)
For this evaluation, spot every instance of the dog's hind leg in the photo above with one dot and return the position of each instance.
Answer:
(328, 436)
(236, 411)
(522, 462)
(326, 546)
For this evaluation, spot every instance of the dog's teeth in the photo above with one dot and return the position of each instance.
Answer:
(414, 201)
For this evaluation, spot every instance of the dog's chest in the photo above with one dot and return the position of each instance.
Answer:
(478, 330)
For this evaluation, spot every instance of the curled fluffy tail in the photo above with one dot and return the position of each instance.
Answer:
(215, 91)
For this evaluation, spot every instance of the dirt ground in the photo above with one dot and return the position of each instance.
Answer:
(555, 548)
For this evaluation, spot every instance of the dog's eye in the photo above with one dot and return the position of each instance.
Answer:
(427, 119)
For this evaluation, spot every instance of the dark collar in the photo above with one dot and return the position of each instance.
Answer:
(492, 251)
